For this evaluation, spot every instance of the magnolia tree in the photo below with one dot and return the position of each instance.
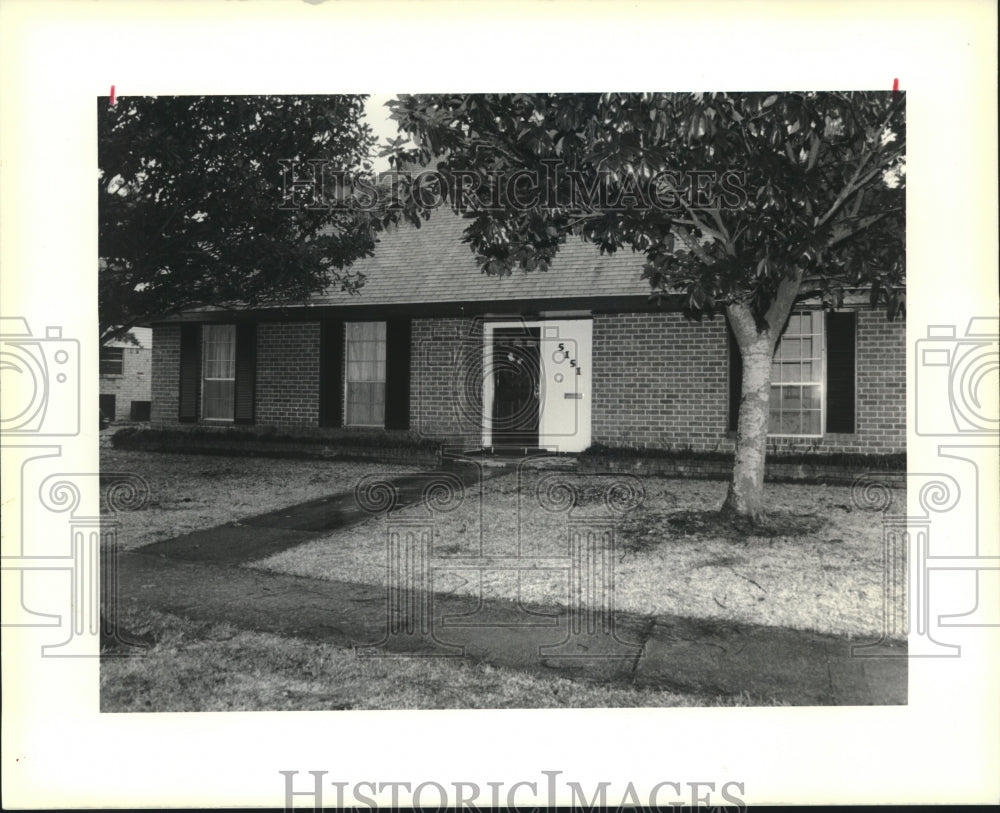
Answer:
(741, 202)
(211, 200)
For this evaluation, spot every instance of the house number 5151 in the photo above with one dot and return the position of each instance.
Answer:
(562, 354)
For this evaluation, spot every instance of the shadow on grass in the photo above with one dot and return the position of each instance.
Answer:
(645, 530)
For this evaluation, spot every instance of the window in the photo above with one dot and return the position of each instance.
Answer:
(141, 410)
(218, 371)
(813, 386)
(365, 375)
(112, 360)
(797, 378)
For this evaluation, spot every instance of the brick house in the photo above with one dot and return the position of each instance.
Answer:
(562, 359)
(126, 378)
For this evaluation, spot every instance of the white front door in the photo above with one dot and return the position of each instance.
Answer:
(563, 377)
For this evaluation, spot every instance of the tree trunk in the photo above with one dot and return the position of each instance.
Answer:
(745, 498)
(746, 490)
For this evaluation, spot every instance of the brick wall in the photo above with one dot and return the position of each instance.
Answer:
(662, 381)
(134, 382)
(659, 380)
(287, 387)
(446, 379)
(287, 374)
(881, 377)
(166, 373)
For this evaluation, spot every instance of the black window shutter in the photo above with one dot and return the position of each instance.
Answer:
(190, 374)
(840, 349)
(735, 380)
(397, 374)
(331, 379)
(246, 371)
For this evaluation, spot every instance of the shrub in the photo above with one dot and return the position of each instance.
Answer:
(198, 437)
(876, 462)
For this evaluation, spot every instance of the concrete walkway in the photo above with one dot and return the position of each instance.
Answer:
(198, 576)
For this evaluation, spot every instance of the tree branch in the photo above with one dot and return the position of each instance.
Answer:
(782, 303)
(842, 230)
(697, 222)
(858, 181)
(692, 241)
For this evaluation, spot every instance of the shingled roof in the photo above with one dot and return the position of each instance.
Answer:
(432, 265)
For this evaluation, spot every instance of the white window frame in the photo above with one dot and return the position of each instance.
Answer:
(347, 372)
(819, 357)
(205, 378)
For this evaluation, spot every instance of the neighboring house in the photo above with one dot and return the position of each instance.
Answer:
(126, 378)
(560, 359)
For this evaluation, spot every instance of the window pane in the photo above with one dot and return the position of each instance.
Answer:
(365, 404)
(791, 423)
(220, 351)
(219, 371)
(112, 360)
(773, 421)
(796, 374)
(219, 399)
(365, 374)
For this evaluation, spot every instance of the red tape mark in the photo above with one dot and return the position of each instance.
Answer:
(112, 95)
(895, 88)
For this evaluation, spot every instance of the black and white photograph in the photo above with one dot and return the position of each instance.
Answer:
(408, 405)
(583, 400)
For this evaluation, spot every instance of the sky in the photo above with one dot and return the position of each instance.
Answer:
(377, 117)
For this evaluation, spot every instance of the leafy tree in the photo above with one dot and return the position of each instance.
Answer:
(193, 203)
(815, 208)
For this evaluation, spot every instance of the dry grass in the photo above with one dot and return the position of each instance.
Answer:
(216, 667)
(819, 568)
(190, 492)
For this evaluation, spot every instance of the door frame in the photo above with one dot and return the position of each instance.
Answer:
(545, 440)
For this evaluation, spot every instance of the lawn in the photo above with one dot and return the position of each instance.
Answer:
(217, 667)
(190, 492)
(819, 568)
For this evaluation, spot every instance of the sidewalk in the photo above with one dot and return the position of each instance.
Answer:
(198, 576)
